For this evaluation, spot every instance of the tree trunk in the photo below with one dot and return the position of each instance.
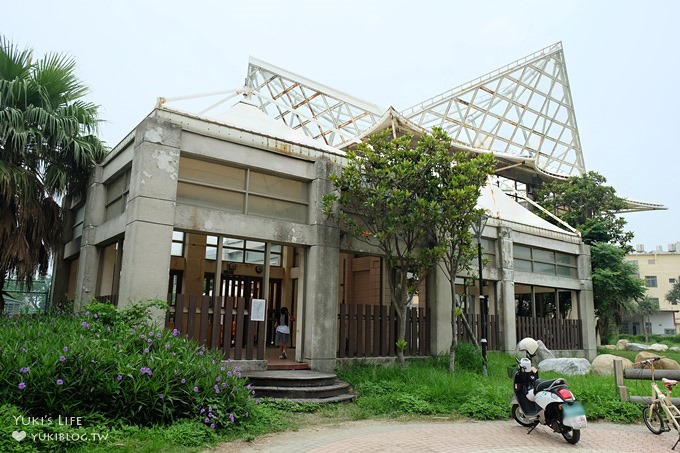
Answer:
(454, 328)
(469, 329)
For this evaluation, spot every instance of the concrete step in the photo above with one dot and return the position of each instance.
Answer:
(299, 386)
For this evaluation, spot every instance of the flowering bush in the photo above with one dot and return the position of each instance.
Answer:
(96, 364)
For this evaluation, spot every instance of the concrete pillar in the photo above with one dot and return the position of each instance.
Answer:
(440, 304)
(507, 294)
(586, 303)
(321, 279)
(150, 212)
(88, 262)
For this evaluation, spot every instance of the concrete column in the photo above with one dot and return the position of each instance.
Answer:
(150, 212)
(321, 279)
(586, 303)
(88, 262)
(440, 304)
(507, 294)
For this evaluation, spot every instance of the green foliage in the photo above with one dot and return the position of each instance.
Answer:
(469, 357)
(401, 344)
(96, 367)
(49, 147)
(589, 205)
(673, 296)
(616, 286)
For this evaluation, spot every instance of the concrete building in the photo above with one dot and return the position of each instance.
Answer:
(661, 271)
(220, 213)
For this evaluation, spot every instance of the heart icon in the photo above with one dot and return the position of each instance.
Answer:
(19, 435)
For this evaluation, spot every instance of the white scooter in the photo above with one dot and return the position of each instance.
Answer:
(544, 401)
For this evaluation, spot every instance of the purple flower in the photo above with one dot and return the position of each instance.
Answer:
(59, 382)
(96, 316)
(151, 334)
(158, 335)
(85, 324)
(184, 381)
(146, 370)
(62, 358)
(160, 397)
(24, 370)
(175, 332)
(146, 350)
(87, 313)
(212, 426)
(167, 345)
(224, 385)
(65, 348)
(150, 341)
(119, 377)
(231, 417)
(202, 410)
(206, 420)
(196, 389)
(21, 385)
(142, 336)
(218, 378)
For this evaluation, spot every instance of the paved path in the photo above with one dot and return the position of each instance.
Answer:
(453, 436)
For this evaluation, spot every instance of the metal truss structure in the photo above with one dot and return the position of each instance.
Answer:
(523, 111)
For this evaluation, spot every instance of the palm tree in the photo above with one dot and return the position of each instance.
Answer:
(48, 148)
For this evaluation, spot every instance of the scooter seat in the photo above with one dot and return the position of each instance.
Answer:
(544, 384)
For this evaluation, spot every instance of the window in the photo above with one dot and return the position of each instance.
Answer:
(78, 222)
(650, 281)
(672, 281)
(242, 251)
(542, 261)
(651, 261)
(242, 190)
(177, 248)
(117, 191)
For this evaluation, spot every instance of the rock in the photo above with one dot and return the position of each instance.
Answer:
(543, 353)
(674, 348)
(658, 347)
(621, 344)
(608, 346)
(566, 365)
(603, 364)
(636, 347)
(664, 364)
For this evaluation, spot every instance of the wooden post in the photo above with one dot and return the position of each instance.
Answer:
(620, 384)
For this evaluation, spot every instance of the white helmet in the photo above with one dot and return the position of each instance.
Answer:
(529, 345)
(525, 365)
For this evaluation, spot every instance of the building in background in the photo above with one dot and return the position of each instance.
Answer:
(660, 270)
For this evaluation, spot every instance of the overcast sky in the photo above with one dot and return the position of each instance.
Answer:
(621, 56)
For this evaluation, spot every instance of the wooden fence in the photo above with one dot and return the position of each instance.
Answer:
(218, 323)
(371, 331)
(638, 373)
(557, 334)
(475, 321)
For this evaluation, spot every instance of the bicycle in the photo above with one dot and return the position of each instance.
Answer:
(653, 418)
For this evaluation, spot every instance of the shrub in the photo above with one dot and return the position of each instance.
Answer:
(93, 365)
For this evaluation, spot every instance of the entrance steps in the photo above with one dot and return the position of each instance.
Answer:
(302, 386)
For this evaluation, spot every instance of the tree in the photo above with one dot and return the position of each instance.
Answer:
(590, 206)
(673, 296)
(457, 188)
(48, 148)
(616, 286)
(385, 198)
(646, 308)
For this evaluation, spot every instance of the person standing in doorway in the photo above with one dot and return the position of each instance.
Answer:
(283, 331)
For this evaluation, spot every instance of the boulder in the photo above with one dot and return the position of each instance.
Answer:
(658, 347)
(609, 346)
(566, 366)
(621, 344)
(603, 364)
(636, 347)
(674, 348)
(664, 364)
(543, 353)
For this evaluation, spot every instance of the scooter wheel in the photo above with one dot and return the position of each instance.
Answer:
(571, 435)
(519, 416)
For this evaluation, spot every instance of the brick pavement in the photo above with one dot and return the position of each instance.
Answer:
(453, 436)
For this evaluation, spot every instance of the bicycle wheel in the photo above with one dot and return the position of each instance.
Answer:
(652, 419)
